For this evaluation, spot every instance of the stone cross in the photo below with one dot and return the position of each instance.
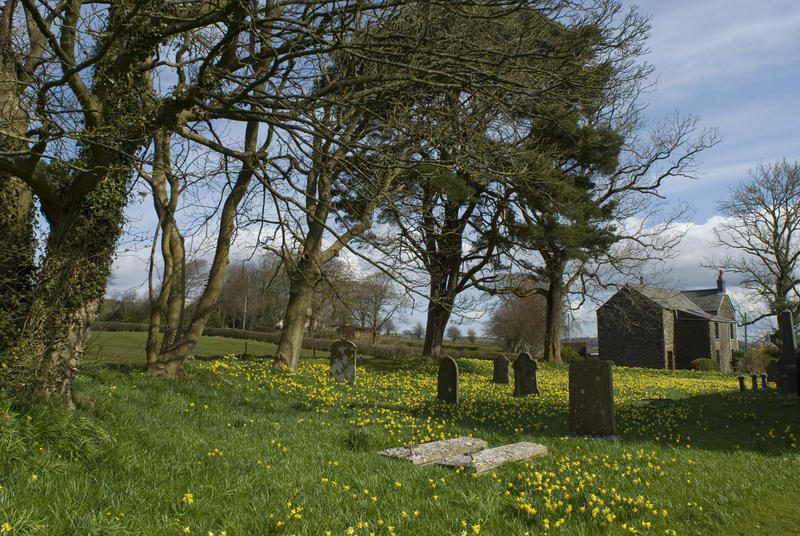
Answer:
(448, 380)
(526, 376)
(591, 399)
(343, 361)
(500, 374)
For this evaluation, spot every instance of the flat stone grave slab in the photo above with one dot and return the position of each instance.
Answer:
(423, 453)
(486, 460)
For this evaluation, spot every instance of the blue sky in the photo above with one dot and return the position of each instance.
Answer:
(733, 63)
(736, 64)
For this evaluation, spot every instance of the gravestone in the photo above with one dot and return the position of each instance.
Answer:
(488, 459)
(526, 376)
(772, 371)
(787, 367)
(343, 361)
(754, 380)
(448, 380)
(764, 384)
(424, 453)
(742, 386)
(591, 399)
(500, 374)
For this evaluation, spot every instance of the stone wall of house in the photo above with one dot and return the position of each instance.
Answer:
(630, 331)
(692, 341)
(668, 321)
(721, 346)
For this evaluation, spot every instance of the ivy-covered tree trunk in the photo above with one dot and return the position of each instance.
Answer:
(68, 292)
(17, 263)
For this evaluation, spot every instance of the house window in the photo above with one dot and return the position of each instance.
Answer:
(733, 332)
(717, 356)
(716, 330)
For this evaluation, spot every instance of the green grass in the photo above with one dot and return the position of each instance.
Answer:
(127, 347)
(241, 448)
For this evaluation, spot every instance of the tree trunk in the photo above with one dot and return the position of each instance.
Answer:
(68, 291)
(298, 311)
(17, 258)
(552, 334)
(438, 316)
(178, 344)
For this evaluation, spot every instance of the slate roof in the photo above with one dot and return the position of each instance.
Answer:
(709, 300)
(700, 303)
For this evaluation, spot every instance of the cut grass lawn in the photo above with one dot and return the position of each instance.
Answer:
(238, 448)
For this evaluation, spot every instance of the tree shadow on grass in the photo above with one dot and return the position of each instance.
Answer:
(763, 421)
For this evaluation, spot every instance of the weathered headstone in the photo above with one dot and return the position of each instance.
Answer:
(343, 361)
(424, 453)
(448, 380)
(742, 386)
(526, 376)
(500, 374)
(788, 366)
(591, 399)
(754, 380)
(773, 372)
(764, 384)
(486, 460)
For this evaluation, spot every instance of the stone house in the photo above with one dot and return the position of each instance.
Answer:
(650, 327)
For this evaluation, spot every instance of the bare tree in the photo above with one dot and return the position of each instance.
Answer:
(453, 333)
(472, 335)
(762, 229)
(418, 330)
(518, 323)
(374, 301)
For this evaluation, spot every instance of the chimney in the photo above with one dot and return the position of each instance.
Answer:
(720, 283)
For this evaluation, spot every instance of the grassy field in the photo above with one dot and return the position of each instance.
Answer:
(241, 449)
(127, 347)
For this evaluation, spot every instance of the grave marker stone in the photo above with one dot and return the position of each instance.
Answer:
(742, 386)
(486, 460)
(424, 453)
(754, 380)
(772, 371)
(591, 399)
(764, 384)
(500, 374)
(526, 376)
(447, 390)
(343, 361)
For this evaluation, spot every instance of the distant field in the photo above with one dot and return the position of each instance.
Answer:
(127, 347)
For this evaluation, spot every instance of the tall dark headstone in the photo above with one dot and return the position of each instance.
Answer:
(754, 380)
(788, 366)
(591, 399)
(448, 380)
(526, 376)
(742, 386)
(500, 374)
